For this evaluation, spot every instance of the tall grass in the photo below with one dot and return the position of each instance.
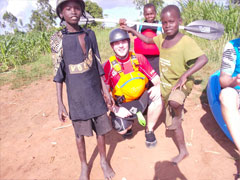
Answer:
(25, 57)
(21, 48)
(229, 15)
(104, 47)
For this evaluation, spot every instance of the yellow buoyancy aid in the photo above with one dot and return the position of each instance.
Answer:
(130, 85)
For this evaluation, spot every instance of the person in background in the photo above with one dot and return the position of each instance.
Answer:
(230, 93)
(150, 51)
(76, 61)
(180, 57)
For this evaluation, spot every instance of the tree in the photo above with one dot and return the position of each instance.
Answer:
(2, 24)
(140, 3)
(42, 18)
(236, 2)
(94, 10)
(11, 19)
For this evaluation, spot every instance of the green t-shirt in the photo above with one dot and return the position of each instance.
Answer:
(175, 61)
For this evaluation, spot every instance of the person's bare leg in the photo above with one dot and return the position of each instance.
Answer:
(154, 111)
(178, 132)
(107, 170)
(181, 145)
(82, 155)
(229, 103)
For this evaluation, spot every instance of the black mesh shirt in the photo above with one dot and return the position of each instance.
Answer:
(81, 73)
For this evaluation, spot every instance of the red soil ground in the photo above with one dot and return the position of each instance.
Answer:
(31, 148)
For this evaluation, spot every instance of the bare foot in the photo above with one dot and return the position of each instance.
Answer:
(180, 157)
(107, 170)
(84, 172)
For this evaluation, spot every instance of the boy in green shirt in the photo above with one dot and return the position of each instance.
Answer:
(180, 57)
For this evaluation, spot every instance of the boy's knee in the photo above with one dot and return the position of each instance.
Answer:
(79, 138)
(174, 104)
(228, 96)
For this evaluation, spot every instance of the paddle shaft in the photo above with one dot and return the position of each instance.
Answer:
(128, 22)
(202, 28)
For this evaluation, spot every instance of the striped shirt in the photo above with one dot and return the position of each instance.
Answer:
(229, 59)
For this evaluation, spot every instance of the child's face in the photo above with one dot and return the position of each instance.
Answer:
(71, 12)
(121, 48)
(149, 14)
(170, 22)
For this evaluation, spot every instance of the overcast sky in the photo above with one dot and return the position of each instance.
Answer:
(114, 9)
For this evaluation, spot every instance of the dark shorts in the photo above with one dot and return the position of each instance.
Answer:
(154, 61)
(120, 124)
(101, 125)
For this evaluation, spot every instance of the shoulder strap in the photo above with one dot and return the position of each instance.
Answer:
(134, 61)
(117, 67)
(159, 29)
(115, 64)
(140, 28)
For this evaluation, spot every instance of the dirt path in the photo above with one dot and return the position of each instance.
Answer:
(30, 147)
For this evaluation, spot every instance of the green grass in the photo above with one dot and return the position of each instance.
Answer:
(28, 73)
(22, 58)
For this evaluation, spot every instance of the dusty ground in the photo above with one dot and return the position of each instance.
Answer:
(31, 148)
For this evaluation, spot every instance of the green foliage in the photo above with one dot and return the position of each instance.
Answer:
(44, 17)
(94, 10)
(10, 18)
(25, 57)
(104, 47)
(22, 48)
(197, 10)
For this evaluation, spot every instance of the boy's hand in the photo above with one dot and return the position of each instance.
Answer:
(121, 112)
(109, 100)
(237, 80)
(181, 82)
(62, 113)
(123, 25)
(122, 22)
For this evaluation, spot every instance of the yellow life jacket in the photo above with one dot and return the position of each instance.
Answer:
(130, 85)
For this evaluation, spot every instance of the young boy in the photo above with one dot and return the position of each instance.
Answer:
(150, 51)
(77, 63)
(180, 57)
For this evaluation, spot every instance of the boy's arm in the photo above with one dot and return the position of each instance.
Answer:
(201, 61)
(118, 111)
(106, 94)
(62, 112)
(124, 26)
(227, 80)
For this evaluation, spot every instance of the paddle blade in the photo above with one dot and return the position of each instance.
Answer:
(211, 30)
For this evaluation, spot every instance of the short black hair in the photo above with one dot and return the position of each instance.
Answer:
(149, 5)
(171, 8)
(82, 5)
